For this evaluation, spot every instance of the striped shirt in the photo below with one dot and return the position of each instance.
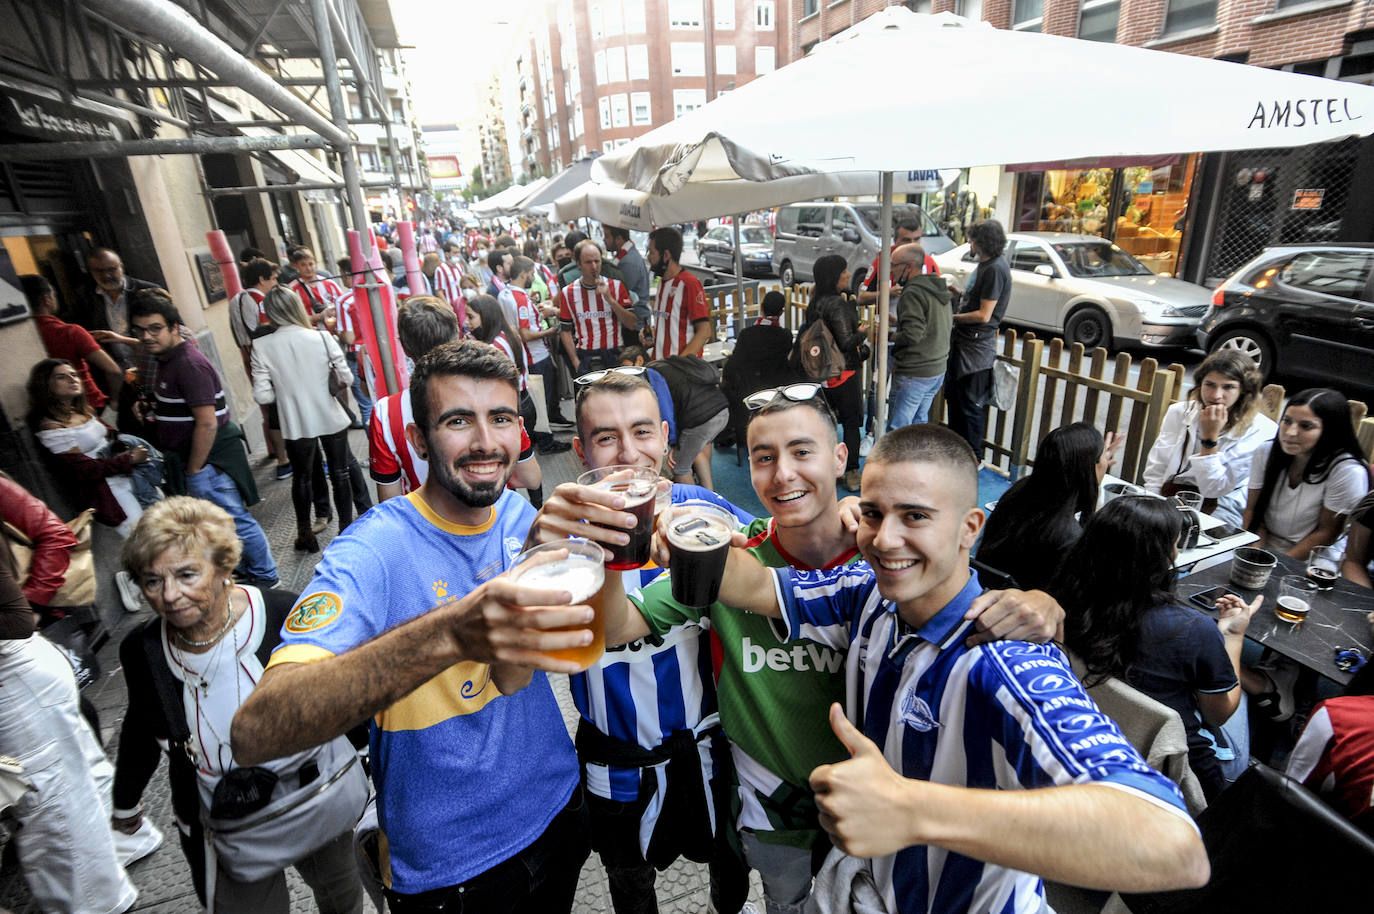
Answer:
(593, 323)
(388, 449)
(1006, 716)
(319, 294)
(447, 286)
(347, 318)
(680, 304)
(530, 319)
(500, 342)
(185, 379)
(644, 691)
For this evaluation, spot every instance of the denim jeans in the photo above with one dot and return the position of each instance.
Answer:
(213, 485)
(359, 387)
(147, 476)
(911, 399)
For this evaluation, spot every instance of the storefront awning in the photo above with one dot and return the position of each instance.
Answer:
(307, 168)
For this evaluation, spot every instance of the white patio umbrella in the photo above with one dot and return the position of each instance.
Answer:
(500, 204)
(1012, 97)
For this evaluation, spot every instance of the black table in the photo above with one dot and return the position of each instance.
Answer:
(1337, 618)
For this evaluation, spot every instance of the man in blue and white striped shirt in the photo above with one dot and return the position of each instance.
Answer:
(975, 771)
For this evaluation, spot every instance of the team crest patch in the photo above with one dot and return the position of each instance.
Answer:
(916, 714)
(313, 613)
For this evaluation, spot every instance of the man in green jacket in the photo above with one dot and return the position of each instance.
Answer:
(920, 343)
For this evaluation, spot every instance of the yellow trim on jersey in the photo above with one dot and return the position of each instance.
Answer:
(297, 653)
(464, 688)
(447, 526)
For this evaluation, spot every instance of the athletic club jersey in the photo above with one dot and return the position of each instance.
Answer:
(681, 302)
(642, 692)
(1005, 716)
(774, 696)
(447, 286)
(503, 344)
(593, 323)
(388, 448)
(347, 320)
(319, 294)
(466, 777)
(531, 319)
(1335, 756)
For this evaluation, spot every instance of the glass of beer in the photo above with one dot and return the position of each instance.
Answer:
(698, 535)
(573, 565)
(1324, 566)
(639, 487)
(1296, 594)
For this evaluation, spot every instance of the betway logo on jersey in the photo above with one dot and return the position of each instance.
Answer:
(799, 657)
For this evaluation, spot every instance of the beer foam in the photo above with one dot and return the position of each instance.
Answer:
(628, 489)
(698, 532)
(578, 576)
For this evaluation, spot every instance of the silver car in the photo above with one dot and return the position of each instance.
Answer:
(1089, 290)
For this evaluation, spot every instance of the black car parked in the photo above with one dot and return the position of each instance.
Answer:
(1305, 310)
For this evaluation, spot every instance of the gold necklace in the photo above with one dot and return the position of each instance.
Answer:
(228, 621)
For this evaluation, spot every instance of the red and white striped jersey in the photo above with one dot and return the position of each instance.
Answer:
(447, 285)
(388, 449)
(530, 319)
(347, 318)
(592, 321)
(500, 342)
(319, 294)
(681, 303)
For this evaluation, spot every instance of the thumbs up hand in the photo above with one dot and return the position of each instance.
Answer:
(863, 803)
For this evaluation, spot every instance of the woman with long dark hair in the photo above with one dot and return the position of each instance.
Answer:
(1207, 441)
(1042, 515)
(829, 304)
(1309, 479)
(1125, 620)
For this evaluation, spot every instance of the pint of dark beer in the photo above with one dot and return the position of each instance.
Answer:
(638, 486)
(698, 535)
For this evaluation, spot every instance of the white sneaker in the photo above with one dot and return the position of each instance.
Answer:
(865, 445)
(129, 593)
(140, 844)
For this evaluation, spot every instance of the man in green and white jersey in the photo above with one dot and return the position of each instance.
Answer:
(775, 693)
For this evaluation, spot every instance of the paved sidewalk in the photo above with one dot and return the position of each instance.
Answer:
(163, 879)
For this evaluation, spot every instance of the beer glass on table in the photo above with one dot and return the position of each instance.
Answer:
(1189, 505)
(1296, 594)
(1324, 566)
(574, 565)
(639, 487)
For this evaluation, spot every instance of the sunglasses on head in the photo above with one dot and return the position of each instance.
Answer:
(797, 393)
(592, 377)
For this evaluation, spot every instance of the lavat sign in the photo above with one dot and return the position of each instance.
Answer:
(799, 657)
(1302, 112)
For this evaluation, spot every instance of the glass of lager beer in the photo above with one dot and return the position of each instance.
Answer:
(698, 535)
(573, 565)
(638, 486)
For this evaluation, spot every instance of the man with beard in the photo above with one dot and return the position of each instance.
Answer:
(682, 320)
(477, 792)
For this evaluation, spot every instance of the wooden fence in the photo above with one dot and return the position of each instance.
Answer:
(1056, 384)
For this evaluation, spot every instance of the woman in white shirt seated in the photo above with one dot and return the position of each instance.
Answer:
(1206, 442)
(1305, 484)
(291, 367)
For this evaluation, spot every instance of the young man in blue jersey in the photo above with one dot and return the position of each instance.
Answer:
(410, 621)
(974, 772)
(774, 710)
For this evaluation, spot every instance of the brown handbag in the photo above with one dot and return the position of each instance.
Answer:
(78, 584)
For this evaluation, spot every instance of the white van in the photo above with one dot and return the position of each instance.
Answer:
(807, 231)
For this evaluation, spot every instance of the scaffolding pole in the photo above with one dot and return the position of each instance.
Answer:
(118, 149)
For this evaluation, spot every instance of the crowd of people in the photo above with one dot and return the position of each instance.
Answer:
(869, 714)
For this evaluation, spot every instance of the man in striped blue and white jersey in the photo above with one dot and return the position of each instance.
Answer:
(949, 743)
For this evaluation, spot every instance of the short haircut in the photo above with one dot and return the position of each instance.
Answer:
(990, 237)
(630, 353)
(282, 307)
(345, 266)
(667, 240)
(424, 322)
(583, 245)
(928, 443)
(574, 239)
(911, 224)
(496, 258)
(616, 231)
(299, 254)
(773, 303)
(531, 249)
(912, 252)
(148, 302)
(613, 382)
(97, 253)
(36, 288)
(186, 523)
(250, 253)
(504, 241)
(521, 265)
(256, 270)
(461, 358)
(816, 404)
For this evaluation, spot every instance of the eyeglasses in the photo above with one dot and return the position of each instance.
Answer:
(150, 330)
(592, 377)
(797, 393)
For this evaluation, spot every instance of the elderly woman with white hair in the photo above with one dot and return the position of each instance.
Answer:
(292, 367)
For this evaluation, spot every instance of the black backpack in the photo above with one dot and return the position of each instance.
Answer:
(818, 355)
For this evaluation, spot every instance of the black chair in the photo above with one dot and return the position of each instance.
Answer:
(1274, 847)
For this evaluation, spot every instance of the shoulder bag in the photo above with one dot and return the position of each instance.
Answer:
(78, 584)
(1172, 486)
(339, 380)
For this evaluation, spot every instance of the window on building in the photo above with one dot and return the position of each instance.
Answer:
(599, 67)
(398, 112)
(724, 14)
(725, 59)
(355, 110)
(367, 157)
(763, 60)
(809, 7)
(685, 100)
(623, 141)
(1098, 20)
(969, 9)
(607, 146)
(574, 82)
(612, 19)
(684, 14)
(615, 65)
(1027, 15)
(581, 151)
(1187, 15)
(594, 20)
(641, 109)
(620, 110)
(634, 17)
(918, 6)
(604, 104)
(637, 58)
(689, 58)
(763, 15)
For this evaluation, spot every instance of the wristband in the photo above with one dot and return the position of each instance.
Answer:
(1207, 442)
